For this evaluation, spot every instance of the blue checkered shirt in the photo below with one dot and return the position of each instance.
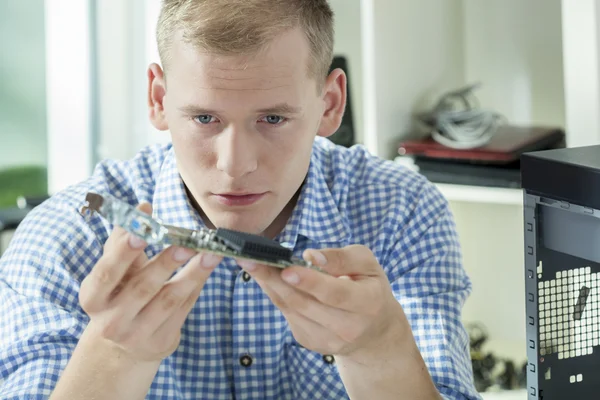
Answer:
(348, 197)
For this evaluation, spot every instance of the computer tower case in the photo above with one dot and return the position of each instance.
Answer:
(561, 190)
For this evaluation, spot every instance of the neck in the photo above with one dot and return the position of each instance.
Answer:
(272, 230)
(282, 219)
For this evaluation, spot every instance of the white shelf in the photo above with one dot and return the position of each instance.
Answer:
(471, 194)
(481, 194)
(506, 395)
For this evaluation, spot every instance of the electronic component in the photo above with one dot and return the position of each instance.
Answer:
(491, 372)
(225, 242)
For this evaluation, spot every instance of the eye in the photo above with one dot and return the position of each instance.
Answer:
(274, 119)
(204, 119)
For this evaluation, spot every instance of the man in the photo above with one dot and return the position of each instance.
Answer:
(88, 311)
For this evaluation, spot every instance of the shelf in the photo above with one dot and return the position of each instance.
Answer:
(470, 193)
(481, 194)
(506, 395)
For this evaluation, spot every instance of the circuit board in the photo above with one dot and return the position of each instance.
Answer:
(220, 241)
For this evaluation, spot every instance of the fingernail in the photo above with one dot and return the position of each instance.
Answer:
(318, 258)
(247, 265)
(136, 242)
(182, 254)
(210, 260)
(291, 278)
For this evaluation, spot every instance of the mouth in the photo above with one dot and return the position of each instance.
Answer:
(238, 199)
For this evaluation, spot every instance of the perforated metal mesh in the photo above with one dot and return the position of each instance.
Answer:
(568, 313)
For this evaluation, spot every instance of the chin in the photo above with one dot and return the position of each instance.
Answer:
(243, 223)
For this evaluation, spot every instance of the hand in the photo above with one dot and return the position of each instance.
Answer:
(351, 310)
(134, 303)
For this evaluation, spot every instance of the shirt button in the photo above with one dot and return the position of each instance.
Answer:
(245, 360)
(246, 276)
(329, 359)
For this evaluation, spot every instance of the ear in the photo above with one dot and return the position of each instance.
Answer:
(156, 95)
(334, 96)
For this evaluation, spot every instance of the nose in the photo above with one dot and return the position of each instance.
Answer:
(236, 153)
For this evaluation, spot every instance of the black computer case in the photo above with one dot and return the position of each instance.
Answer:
(562, 270)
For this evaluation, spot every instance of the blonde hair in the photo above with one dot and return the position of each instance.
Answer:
(231, 27)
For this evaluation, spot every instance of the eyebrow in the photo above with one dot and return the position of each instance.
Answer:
(282, 108)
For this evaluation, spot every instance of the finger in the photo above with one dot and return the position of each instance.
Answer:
(306, 279)
(353, 261)
(315, 329)
(312, 335)
(347, 323)
(176, 320)
(140, 261)
(258, 271)
(308, 291)
(305, 304)
(344, 325)
(340, 326)
(121, 251)
(179, 294)
(337, 292)
(285, 296)
(136, 265)
(145, 284)
(118, 231)
(171, 328)
(266, 277)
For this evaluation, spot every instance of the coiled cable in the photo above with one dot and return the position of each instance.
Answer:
(462, 127)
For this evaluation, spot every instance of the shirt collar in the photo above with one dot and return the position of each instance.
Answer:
(171, 204)
(316, 215)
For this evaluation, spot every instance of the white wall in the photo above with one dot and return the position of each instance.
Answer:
(114, 30)
(413, 51)
(491, 237)
(514, 48)
(68, 97)
(581, 45)
(126, 46)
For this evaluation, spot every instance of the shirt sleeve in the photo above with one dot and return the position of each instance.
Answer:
(40, 317)
(52, 251)
(37, 339)
(425, 269)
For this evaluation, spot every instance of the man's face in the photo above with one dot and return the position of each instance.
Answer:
(242, 128)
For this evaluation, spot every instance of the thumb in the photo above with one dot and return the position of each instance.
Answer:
(146, 208)
(350, 261)
(119, 233)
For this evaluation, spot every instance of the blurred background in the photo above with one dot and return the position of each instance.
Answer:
(23, 134)
(73, 91)
(72, 88)
(73, 84)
